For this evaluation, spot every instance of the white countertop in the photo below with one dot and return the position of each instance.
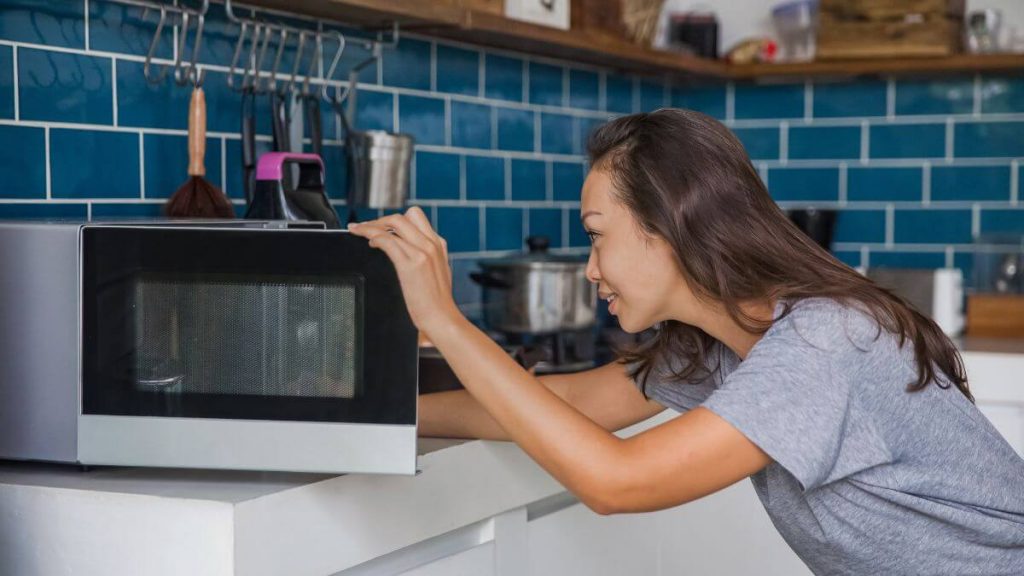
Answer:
(59, 519)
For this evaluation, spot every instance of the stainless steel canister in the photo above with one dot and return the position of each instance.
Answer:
(378, 168)
(537, 292)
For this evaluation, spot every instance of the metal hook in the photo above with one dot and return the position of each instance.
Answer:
(334, 64)
(234, 58)
(253, 47)
(272, 81)
(318, 53)
(258, 63)
(152, 50)
(188, 72)
(298, 59)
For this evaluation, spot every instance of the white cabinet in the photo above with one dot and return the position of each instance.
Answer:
(477, 561)
(726, 534)
(998, 387)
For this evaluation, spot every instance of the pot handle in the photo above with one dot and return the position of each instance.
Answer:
(489, 281)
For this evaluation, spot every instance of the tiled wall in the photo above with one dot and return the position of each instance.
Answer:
(919, 169)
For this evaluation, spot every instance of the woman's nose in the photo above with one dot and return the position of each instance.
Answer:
(591, 271)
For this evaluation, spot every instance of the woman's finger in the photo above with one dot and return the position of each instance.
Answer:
(396, 249)
(406, 229)
(418, 217)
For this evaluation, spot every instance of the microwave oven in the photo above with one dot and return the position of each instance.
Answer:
(241, 346)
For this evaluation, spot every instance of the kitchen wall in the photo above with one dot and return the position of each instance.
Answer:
(919, 168)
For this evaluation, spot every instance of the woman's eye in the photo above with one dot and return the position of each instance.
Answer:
(592, 235)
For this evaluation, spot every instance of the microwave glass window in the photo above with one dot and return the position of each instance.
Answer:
(229, 335)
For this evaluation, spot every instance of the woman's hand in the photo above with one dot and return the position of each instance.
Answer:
(420, 257)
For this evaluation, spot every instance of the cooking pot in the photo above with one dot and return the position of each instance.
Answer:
(536, 292)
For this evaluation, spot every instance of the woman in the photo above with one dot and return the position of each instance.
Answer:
(849, 410)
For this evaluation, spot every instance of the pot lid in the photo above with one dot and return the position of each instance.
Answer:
(537, 256)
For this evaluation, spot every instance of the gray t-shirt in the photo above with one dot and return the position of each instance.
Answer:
(866, 478)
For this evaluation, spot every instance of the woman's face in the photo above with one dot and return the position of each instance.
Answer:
(636, 272)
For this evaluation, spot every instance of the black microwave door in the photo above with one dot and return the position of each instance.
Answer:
(290, 325)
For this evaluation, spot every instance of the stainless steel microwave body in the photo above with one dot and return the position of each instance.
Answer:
(204, 346)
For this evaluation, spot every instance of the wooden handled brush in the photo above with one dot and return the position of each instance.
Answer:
(197, 197)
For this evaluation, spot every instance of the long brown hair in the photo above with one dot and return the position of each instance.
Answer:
(686, 178)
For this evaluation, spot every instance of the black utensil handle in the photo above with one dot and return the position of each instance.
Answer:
(489, 281)
(314, 122)
(248, 144)
(279, 125)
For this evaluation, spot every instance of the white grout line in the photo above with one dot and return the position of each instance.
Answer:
(762, 168)
(808, 100)
(976, 107)
(508, 179)
(224, 165)
(536, 132)
(890, 98)
(448, 122)
(17, 87)
(412, 175)
(975, 221)
(49, 165)
(865, 142)
(142, 167)
(1014, 182)
(565, 226)
(949, 256)
(865, 256)
(85, 11)
(113, 86)
(462, 177)
(890, 225)
(784, 142)
(842, 183)
(926, 183)
(549, 178)
(730, 102)
(394, 112)
(526, 223)
(949, 140)
(494, 127)
(483, 228)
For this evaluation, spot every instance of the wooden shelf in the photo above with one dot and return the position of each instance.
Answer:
(452, 19)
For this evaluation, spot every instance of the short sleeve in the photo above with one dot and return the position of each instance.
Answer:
(680, 396)
(789, 399)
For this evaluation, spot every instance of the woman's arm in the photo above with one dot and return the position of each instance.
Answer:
(606, 395)
(686, 458)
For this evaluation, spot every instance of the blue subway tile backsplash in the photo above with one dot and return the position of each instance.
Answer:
(773, 101)
(884, 184)
(822, 143)
(6, 82)
(458, 70)
(408, 66)
(501, 136)
(971, 183)
(423, 118)
(471, 125)
(60, 24)
(503, 77)
(952, 96)
(849, 99)
(804, 184)
(907, 141)
(546, 84)
(707, 99)
(87, 171)
(989, 139)
(584, 89)
(23, 161)
(760, 143)
(63, 87)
